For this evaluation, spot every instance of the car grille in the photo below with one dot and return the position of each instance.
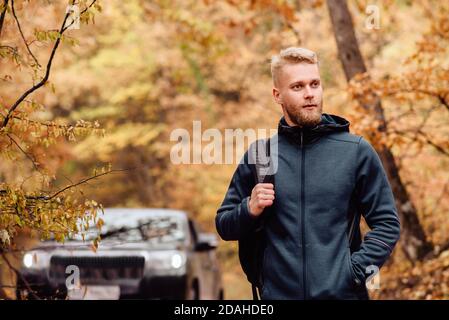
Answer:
(98, 268)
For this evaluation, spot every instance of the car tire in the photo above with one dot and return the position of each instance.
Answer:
(38, 293)
(22, 293)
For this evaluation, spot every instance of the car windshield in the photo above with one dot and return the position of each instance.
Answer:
(154, 230)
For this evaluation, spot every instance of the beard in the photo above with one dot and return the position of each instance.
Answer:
(304, 117)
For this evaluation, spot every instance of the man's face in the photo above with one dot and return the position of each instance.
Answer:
(299, 92)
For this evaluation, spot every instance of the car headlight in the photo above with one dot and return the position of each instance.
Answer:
(166, 260)
(176, 261)
(28, 260)
(36, 260)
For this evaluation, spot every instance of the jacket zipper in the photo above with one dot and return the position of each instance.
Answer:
(303, 221)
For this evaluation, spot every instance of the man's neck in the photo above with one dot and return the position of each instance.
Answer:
(290, 122)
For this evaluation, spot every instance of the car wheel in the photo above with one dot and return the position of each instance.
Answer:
(25, 294)
(38, 293)
(22, 292)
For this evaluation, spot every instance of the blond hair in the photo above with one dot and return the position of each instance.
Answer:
(291, 55)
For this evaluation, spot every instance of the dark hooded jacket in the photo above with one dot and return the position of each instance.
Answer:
(325, 176)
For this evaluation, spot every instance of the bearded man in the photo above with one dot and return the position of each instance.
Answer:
(326, 179)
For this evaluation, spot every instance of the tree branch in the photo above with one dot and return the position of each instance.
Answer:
(22, 35)
(294, 31)
(82, 182)
(35, 163)
(414, 137)
(441, 97)
(48, 125)
(443, 101)
(433, 144)
(45, 78)
(88, 7)
(441, 197)
(19, 275)
(2, 15)
(14, 50)
(62, 29)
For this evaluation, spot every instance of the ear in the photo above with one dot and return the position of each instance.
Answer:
(277, 95)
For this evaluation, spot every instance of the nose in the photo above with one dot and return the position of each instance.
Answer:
(308, 93)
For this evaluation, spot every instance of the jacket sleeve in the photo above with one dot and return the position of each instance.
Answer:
(376, 203)
(233, 218)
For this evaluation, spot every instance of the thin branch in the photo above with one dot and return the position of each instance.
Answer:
(22, 35)
(44, 79)
(433, 144)
(443, 101)
(25, 180)
(441, 98)
(67, 178)
(88, 7)
(424, 136)
(441, 197)
(35, 163)
(84, 181)
(401, 115)
(418, 130)
(420, 126)
(81, 13)
(2, 15)
(293, 29)
(19, 275)
(51, 125)
(62, 29)
(14, 50)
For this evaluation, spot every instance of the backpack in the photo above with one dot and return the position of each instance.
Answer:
(252, 245)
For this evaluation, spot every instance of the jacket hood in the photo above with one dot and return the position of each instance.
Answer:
(329, 123)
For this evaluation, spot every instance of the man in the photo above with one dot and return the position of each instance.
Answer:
(325, 177)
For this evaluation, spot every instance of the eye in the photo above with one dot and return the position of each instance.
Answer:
(315, 84)
(297, 87)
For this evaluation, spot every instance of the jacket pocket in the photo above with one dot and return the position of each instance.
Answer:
(354, 280)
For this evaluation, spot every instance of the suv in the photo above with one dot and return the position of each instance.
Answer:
(144, 253)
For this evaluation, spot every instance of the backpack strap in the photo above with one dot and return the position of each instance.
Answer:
(256, 292)
(263, 175)
(263, 168)
(263, 161)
